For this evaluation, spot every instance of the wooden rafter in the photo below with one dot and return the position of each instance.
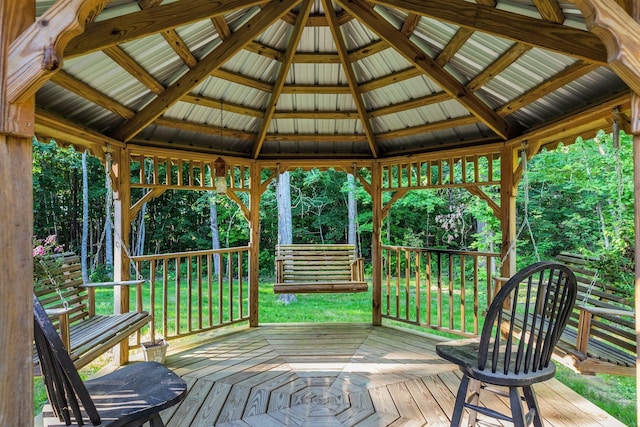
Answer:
(566, 76)
(294, 39)
(406, 74)
(321, 115)
(132, 67)
(221, 27)
(242, 80)
(535, 32)
(410, 104)
(410, 23)
(457, 41)
(219, 103)
(347, 67)
(174, 40)
(368, 50)
(499, 65)
(204, 128)
(550, 10)
(206, 66)
(80, 88)
(428, 127)
(314, 137)
(423, 62)
(129, 27)
(36, 54)
(317, 89)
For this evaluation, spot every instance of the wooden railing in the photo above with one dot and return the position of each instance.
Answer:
(192, 292)
(439, 289)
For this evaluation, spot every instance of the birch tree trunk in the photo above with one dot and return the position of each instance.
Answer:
(285, 222)
(352, 213)
(108, 229)
(85, 219)
(215, 230)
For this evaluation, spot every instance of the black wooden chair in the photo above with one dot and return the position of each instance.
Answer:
(129, 396)
(521, 328)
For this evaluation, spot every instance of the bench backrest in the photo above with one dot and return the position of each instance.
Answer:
(316, 263)
(66, 270)
(595, 291)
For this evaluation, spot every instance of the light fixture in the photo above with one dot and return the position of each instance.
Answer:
(220, 183)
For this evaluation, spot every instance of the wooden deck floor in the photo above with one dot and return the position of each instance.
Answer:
(337, 375)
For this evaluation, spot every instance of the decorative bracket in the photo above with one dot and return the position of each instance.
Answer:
(37, 53)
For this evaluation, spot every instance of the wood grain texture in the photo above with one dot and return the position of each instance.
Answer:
(337, 375)
(37, 53)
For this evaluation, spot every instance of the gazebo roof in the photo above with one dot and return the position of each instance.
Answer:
(315, 79)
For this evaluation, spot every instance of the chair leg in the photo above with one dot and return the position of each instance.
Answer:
(156, 421)
(474, 399)
(517, 412)
(532, 403)
(460, 399)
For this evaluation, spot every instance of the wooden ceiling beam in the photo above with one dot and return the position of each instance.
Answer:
(398, 76)
(204, 128)
(121, 29)
(221, 27)
(205, 101)
(80, 88)
(317, 89)
(316, 58)
(455, 44)
(317, 115)
(242, 80)
(264, 50)
(429, 127)
(174, 40)
(411, 104)
(534, 32)
(550, 10)
(132, 67)
(314, 137)
(214, 60)
(292, 45)
(424, 62)
(347, 67)
(561, 79)
(62, 129)
(510, 56)
(410, 23)
(368, 50)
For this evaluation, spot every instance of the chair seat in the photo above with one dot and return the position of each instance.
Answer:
(464, 353)
(131, 393)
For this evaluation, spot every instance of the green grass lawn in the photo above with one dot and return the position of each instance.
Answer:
(614, 394)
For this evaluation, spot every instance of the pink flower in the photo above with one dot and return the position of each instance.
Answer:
(38, 250)
(59, 249)
(50, 240)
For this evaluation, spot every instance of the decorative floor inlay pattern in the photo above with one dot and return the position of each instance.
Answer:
(336, 375)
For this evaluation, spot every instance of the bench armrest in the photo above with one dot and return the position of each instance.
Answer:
(91, 286)
(110, 284)
(63, 324)
(584, 323)
(607, 311)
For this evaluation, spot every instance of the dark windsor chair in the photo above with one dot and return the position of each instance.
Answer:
(129, 396)
(522, 326)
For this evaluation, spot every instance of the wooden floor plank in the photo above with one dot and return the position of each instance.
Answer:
(338, 375)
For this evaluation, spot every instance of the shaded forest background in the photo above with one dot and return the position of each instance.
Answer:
(576, 198)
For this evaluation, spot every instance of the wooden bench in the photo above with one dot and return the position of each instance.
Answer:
(318, 269)
(600, 335)
(85, 334)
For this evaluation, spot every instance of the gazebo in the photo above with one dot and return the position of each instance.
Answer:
(170, 93)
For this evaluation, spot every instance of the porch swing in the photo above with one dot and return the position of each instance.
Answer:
(319, 268)
(600, 333)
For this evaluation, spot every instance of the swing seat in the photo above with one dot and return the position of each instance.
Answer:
(318, 269)
(600, 336)
(85, 334)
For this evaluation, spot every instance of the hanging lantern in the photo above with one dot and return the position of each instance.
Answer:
(221, 176)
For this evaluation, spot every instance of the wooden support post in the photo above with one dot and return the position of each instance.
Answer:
(122, 228)
(508, 191)
(254, 247)
(376, 243)
(16, 232)
(635, 130)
